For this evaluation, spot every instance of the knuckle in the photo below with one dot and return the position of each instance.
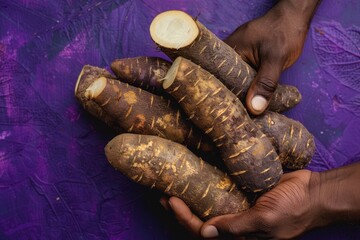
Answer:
(185, 221)
(281, 52)
(232, 230)
(278, 57)
(266, 86)
(267, 222)
(230, 227)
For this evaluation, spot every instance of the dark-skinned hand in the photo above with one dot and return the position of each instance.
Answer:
(273, 216)
(270, 44)
(301, 201)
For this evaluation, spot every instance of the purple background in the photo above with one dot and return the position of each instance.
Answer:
(55, 182)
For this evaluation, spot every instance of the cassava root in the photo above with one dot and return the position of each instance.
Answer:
(247, 152)
(171, 168)
(138, 111)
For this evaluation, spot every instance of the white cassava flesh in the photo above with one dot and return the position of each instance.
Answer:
(95, 88)
(173, 29)
(171, 74)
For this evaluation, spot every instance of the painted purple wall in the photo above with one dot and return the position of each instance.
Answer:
(55, 182)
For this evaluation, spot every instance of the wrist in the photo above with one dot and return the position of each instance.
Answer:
(335, 195)
(302, 10)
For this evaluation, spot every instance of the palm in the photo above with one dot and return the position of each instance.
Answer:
(283, 212)
(277, 207)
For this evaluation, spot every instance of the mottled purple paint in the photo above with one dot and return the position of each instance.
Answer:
(55, 182)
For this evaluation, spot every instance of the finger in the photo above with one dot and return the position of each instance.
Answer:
(263, 87)
(241, 224)
(241, 41)
(164, 201)
(184, 215)
(302, 174)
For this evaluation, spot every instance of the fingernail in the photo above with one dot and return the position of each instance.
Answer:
(210, 232)
(258, 103)
(164, 204)
(170, 204)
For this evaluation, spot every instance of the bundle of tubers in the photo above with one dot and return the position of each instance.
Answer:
(194, 101)
(167, 121)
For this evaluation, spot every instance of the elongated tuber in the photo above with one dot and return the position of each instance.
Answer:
(178, 34)
(170, 167)
(143, 72)
(138, 111)
(284, 98)
(247, 152)
(294, 144)
(85, 79)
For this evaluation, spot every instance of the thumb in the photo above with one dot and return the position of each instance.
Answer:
(231, 225)
(263, 87)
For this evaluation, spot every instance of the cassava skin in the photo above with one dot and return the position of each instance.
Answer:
(138, 111)
(143, 72)
(148, 73)
(86, 77)
(204, 48)
(173, 169)
(247, 152)
(284, 98)
(293, 142)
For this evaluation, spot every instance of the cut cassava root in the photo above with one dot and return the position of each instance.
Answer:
(178, 34)
(203, 48)
(85, 79)
(247, 152)
(138, 111)
(171, 168)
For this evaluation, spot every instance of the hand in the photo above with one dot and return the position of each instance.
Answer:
(271, 44)
(302, 200)
(284, 212)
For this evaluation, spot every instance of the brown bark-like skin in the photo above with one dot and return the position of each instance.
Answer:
(143, 72)
(171, 168)
(294, 144)
(215, 56)
(284, 98)
(248, 154)
(86, 77)
(139, 111)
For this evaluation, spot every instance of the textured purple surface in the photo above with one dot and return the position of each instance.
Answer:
(55, 182)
